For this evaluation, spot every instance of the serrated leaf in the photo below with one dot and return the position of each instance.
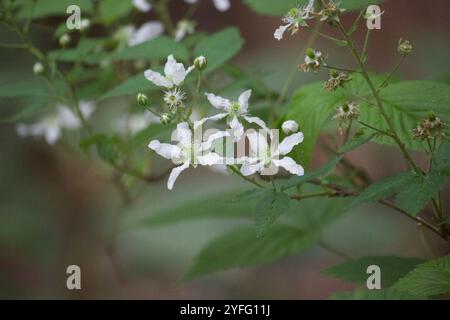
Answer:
(270, 207)
(427, 279)
(241, 248)
(441, 161)
(383, 189)
(156, 49)
(311, 107)
(392, 269)
(249, 195)
(415, 195)
(45, 8)
(311, 175)
(219, 47)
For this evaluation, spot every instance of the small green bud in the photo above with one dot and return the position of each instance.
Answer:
(142, 99)
(166, 118)
(200, 62)
(310, 53)
(64, 40)
(38, 68)
(334, 73)
(404, 47)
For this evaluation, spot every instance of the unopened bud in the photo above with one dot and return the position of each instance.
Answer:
(200, 63)
(38, 68)
(310, 53)
(64, 40)
(142, 99)
(289, 126)
(404, 47)
(166, 118)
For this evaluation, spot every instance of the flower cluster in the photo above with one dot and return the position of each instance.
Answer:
(335, 80)
(345, 113)
(431, 127)
(313, 60)
(193, 149)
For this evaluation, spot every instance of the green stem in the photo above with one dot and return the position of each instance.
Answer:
(385, 82)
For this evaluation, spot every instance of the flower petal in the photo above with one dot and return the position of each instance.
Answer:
(157, 79)
(210, 159)
(222, 5)
(280, 32)
(52, 134)
(260, 123)
(258, 144)
(243, 101)
(237, 129)
(212, 138)
(67, 119)
(289, 142)
(165, 150)
(183, 134)
(175, 173)
(142, 5)
(146, 32)
(218, 102)
(290, 165)
(249, 169)
(215, 117)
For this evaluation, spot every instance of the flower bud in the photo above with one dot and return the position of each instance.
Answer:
(310, 53)
(166, 118)
(289, 126)
(38, 68)
(142, 99)
(85, 24)
(64, 40)
(404, 47)
(200, 63)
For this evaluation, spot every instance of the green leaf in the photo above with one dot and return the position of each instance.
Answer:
(441, 161)
(241, 248)
(270, 206)
(28, 111)
(87, 51)
(388, 294)
(392, 269)
(406, 103)
(383, 189)
(219, 47)
(427, 279)
(108, 148)
(210, 206)
(281, 7)
(45, 8)
(249, 195)
(156, 49)
(361, 137)
(131, 86)
(153, 131)
(111, 10)
(23, 89)
(311, 107)
(415, 195)
(311, 175)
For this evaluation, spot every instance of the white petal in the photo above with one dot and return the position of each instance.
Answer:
(142, 5)
(258, 144)
(183, 134)
(249, 169)
(146, 32)
(68, 119)
(237, 129)
(212, 138)
(52, 134)
(165, 150)
(243, 101)
(218, 102)
(210, 159)
(290, 165)
(22, 130)
(158, 79)
(169, 67)
(222, 5)
(289, 126)
(87, 108)
(175, 173)
(289, 142)
(215, 117)
(259, 122)
(280, 31)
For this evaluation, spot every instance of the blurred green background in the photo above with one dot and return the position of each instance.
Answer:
(55, 210)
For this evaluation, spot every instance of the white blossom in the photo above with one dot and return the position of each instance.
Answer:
(184, 27)
(188, 152)
(174, 97)
(52, 124)
(142, 5)
(38, 68)
(289, 126)
(295, 18)
(221, 5)
(262, 156)
(133, 123)
(148, 31)
(174, 71)
(235, 111)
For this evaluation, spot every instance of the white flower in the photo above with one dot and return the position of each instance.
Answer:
(262, 156)
(51, 125)
(38, 68)
(235, 111)
(313, 59)
(188, 152)
(175, 73)
(142, 5)
(289, 126)
(85, 24)
(184, 27)
(174, 97)
(221, 5)
(136, 122)
(295, 18)
(148, 31)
